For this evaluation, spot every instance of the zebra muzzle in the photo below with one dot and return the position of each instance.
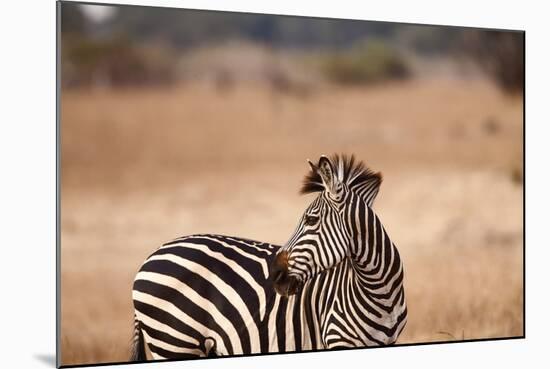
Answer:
(283, 283)
(288, 287)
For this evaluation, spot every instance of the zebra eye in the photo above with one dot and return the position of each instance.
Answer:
(311, 220)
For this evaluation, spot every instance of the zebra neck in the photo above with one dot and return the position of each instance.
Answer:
(376, 261)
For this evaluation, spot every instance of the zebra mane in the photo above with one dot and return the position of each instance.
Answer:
(353, 173)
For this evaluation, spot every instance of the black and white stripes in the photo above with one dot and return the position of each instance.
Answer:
(338, 282)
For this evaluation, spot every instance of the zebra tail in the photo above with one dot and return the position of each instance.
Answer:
(138, 344)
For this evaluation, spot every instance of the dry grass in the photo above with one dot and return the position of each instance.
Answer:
(142, 167)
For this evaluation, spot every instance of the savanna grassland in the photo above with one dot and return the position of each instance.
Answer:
(143, 166)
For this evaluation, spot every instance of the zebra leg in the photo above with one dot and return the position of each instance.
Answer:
(210, 347)
(138, 343)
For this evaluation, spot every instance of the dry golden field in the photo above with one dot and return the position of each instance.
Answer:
(140, 167)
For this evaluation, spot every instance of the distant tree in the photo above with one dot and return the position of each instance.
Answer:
(500, 54)
(73, 21)
(428, 40)
(368, 63)
(186, 28)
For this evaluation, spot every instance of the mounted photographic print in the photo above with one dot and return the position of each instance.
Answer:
(236, 184)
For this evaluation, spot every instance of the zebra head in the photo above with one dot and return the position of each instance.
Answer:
(326, 231)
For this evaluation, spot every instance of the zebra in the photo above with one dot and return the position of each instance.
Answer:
(337, 282)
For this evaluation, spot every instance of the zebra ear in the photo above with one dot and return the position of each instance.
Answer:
(326, 171)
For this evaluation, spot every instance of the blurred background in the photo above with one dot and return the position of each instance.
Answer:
(176, 122)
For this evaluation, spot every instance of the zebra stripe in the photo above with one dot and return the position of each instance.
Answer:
(337, 282)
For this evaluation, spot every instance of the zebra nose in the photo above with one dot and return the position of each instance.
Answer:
(279, 266)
